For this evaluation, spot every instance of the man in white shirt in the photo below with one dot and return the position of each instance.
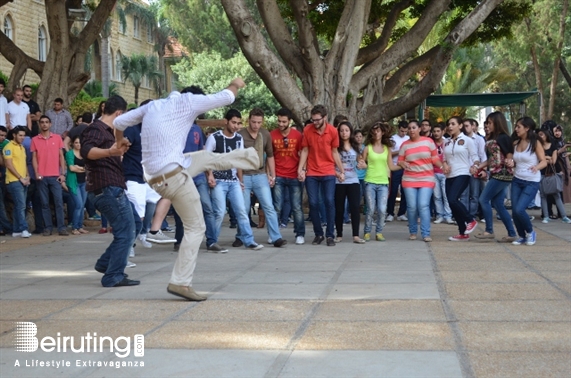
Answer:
(18, 112)
(166, 124)
(471, 195)
(3, 104)
(396, 176)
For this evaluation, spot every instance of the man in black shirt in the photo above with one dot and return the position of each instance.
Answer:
(35, 112)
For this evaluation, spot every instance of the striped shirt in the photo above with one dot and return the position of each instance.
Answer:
(420, 156)
(166, 124)
(103, 172)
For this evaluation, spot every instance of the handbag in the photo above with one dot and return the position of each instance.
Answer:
(551, 184)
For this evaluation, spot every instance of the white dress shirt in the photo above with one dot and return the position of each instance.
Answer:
(166, 124)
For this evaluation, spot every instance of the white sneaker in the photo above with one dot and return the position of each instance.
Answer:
(160, 238)
(439, 220)
(132, 252)
(270, 241)
(402, 218)
(144, 242)
(26, 234)
(299, 240)
(545, 220)
(389, 218)
(16, 234)
(130, 264)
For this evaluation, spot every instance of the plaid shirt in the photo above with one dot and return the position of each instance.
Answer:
(101, 172)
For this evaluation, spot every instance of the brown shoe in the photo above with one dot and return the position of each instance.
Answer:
(185, 292)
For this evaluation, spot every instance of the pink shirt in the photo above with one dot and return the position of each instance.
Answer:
(420, 156)
(48, 154)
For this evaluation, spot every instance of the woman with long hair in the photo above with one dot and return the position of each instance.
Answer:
(75, 181)
(348, 189)
(377, 158)
(459, 152)
(418, 156)
(528, 160)
(554, 168)
(563, 158)
(499, 148)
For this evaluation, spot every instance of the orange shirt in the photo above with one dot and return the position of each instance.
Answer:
(47, 151)
(320, 157)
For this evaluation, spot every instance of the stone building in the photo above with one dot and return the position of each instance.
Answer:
(24, 22)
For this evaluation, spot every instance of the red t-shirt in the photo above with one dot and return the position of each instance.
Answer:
(320, 158)
(286, 152)
(47, 151)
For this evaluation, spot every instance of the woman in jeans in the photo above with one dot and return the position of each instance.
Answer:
(459, 151)
(75, 181)
(550, 151)
(528, 160)
(349, 189)
(378, 160)
(418, 156)
(499, 148)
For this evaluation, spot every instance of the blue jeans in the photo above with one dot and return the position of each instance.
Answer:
(49, 185)
(455, 186)
(376, 196)
(79, 199)
(18, 193)
(232, 191)
(396, 181)
(286, 211)
(493, 195)
(207, 211)
(440, 200)
(418, 203)
(471, 195)
(261, 187)
(523, 192)
(5, 224)
(293, 187)
(149, 214)
(114, 205)
(326, 185)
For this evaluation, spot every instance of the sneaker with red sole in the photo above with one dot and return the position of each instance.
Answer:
(459, 238)
(471, 226)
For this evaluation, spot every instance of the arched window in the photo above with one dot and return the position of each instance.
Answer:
(118, 75)
(136, 27)
(9, 27)
(42, 44)
(111, 65)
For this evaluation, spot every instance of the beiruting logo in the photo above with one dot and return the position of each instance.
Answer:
(26, 341)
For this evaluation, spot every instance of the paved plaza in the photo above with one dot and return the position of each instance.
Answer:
(397, 308)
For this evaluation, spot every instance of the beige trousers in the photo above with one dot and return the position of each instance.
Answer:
(181, 191)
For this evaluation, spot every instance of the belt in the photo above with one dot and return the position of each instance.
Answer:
(163, 178)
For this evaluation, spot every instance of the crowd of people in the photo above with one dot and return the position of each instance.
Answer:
(133, 167)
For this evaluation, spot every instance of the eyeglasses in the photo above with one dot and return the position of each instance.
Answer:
(316, 120)
(286, 142)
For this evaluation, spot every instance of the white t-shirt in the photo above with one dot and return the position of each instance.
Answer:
(18, 114)
(3, 110)
(398, 143)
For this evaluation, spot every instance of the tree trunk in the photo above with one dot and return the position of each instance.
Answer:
(538, 78)
(558, 48)
(565, 73)
(63, 73)
(136, 95)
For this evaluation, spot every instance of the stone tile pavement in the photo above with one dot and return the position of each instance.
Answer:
(398, 308)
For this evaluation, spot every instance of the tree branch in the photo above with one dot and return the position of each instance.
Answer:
(368, 53)
(14, 54)
(280, 36)
(403, 48)
(430, 82)
(396, 82)
(565, 72)
(307, 38)
(268, 66)
(91, 31)
(340, 60)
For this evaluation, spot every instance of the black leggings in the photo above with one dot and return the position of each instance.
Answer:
(353, 194)
(455, 186)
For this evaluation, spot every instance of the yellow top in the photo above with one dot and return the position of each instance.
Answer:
(17, 153)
